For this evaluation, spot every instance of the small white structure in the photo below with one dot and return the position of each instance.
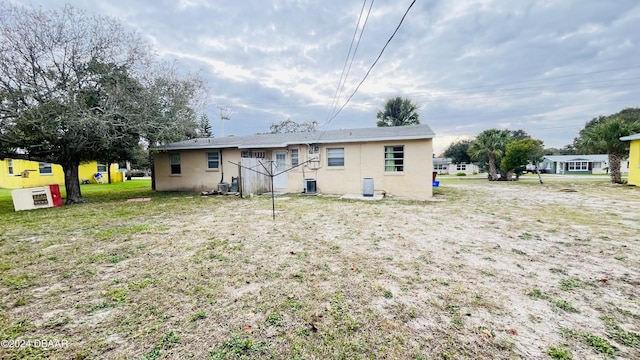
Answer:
(580, 164)
(445, 166)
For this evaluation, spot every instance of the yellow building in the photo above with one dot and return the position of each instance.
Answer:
(634, 158)
(17, 174)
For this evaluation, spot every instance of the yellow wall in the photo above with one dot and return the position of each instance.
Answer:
(35, 179)
(362, 160)
(634, 163)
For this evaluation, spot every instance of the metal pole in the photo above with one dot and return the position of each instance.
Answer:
(273, 200)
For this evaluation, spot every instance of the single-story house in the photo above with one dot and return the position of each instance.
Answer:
(390, 160)
(579, 164)
(634, 158)
(445, 166)
(18, 174)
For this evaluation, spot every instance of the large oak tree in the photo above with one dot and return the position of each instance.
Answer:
(76, 87)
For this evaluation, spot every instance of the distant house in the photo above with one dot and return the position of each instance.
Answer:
(393, 160)
(579, 164)
(445, 166)
(17, 174)
(634, 158)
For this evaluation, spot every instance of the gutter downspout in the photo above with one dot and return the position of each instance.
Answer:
(221, 168)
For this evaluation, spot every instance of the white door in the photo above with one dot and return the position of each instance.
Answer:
(280, 165)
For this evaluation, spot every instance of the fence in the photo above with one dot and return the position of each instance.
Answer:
(252, 182)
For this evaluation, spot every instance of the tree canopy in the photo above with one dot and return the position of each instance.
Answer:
(519, 153)
(505, 150)
(75, 88)
(602, 135)
(398, 111)
(458, 151)
(491, 143)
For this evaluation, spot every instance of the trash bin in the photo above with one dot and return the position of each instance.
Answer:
(435, 173)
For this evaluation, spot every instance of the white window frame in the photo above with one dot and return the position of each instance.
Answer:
(10, 166)
(335, 157)
(461, 167)
(295, 157)
(98, 168)
(213, 161)
(393, 163)
(578, 166)
(174, 160)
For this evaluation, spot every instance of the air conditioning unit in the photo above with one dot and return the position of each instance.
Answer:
(309, 186)
(367, 187)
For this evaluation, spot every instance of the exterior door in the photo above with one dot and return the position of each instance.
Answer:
(280, 165)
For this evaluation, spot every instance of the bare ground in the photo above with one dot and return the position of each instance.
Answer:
(484, 271)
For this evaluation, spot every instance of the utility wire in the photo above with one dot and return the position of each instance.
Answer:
(372, 65)
(336, 95)
(344, 81)
(462, 90)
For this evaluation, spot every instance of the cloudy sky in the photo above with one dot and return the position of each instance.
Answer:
(543, 66)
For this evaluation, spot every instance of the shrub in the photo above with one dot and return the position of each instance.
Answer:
(461, 174)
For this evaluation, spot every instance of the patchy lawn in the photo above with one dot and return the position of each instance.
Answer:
(485, 271)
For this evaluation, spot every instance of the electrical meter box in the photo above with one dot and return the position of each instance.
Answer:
(32, 198)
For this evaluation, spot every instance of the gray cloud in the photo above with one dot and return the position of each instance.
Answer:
(543, 66)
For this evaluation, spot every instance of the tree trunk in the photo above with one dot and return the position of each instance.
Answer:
(539, 176)
(614, 166)
(72, 183)
(492, 168)
(128, 170)
(108, 172)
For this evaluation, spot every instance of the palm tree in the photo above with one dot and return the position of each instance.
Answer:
(604, 137)
(491, 143)
(398, 112)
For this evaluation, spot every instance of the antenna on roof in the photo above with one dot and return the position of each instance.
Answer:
(225, 114)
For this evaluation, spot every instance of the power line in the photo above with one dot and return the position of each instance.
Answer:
(368, 71)
(549, 78)
(374, 63)
(462, 90)
(345, 69)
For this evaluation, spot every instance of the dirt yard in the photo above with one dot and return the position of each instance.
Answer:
(483, 271)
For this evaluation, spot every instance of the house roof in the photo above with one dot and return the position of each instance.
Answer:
(631, 137)
(411, 132)
(568, 158)
(439, 160)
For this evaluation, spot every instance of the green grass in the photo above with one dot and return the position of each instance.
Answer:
(559, 353)
(168, 341)
(238, 347)
(197, 277)
(562, 304)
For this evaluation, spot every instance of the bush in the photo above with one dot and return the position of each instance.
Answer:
(461, 174)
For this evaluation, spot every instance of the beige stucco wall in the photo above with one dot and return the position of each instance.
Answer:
(194, 174)
(362, 160)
